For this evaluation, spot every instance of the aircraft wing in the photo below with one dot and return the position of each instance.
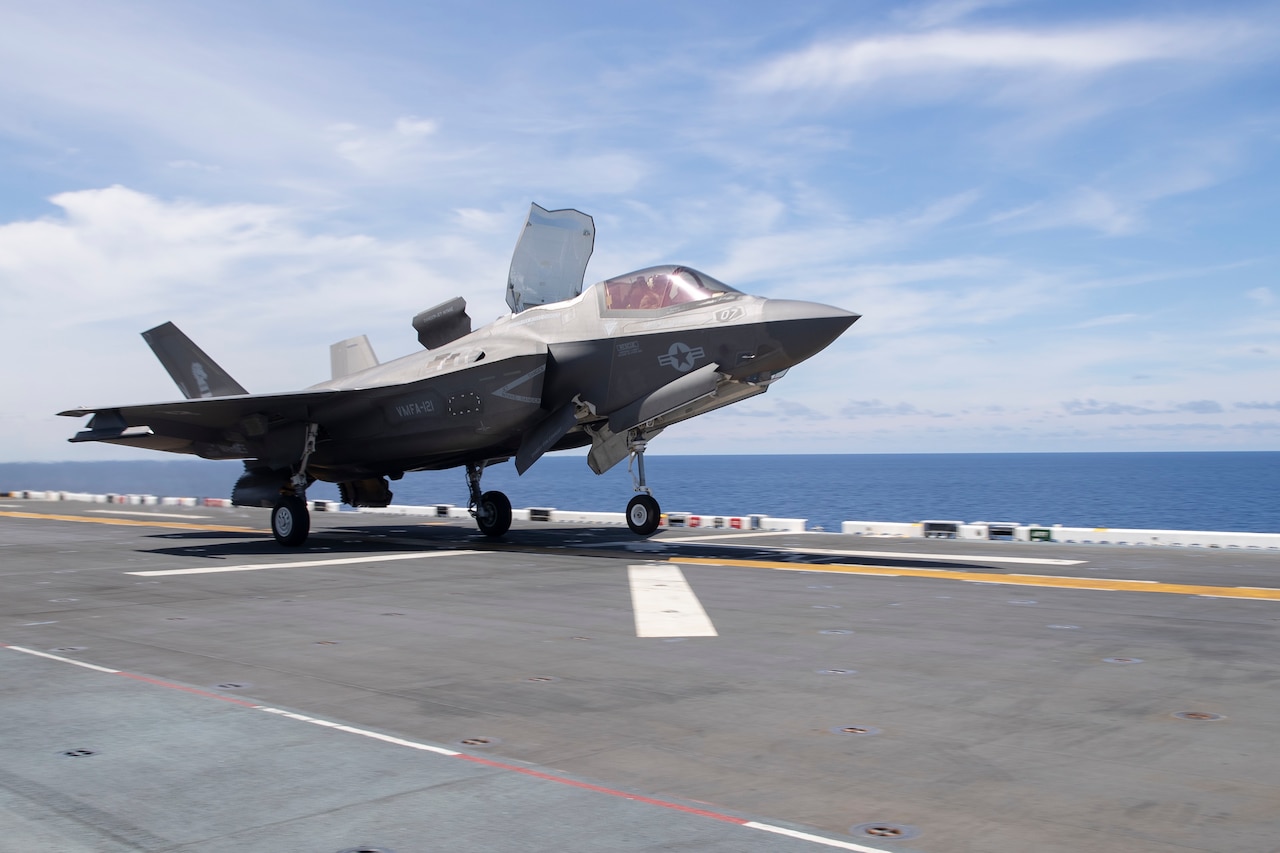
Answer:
(212, 427)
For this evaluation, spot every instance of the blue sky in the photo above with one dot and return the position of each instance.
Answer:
(1058, 220)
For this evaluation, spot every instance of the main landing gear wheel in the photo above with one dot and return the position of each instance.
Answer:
(493, 514)
(643, 515)
(290, 521)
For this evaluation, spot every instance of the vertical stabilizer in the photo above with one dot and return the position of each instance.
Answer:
(197, 375)
(351, 356)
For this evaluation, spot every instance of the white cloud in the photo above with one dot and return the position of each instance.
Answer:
(192, 165)
(262, 289)
(307, 184)
(1107, 320)
(946, 11)
(210, 93)
(1086, 207)
(1262, 296)
(798, 252)
(398, 149)
(860, 62)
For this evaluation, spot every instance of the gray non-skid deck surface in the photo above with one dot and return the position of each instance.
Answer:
(995, 720)
(175, 771)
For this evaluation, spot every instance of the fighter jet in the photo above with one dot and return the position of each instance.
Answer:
(609, 366)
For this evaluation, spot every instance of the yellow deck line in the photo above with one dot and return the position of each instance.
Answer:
(1109, 584)
(131, 522)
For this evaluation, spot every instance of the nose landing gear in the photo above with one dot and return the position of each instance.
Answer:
(643, 513)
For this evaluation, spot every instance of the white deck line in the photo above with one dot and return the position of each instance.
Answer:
(731, 535)
(61, 659)
(816, 839)
(665, 605)
(300, 564)
(1025, 561)
(146, 514)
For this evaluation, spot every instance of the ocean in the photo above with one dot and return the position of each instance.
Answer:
(1229, 491)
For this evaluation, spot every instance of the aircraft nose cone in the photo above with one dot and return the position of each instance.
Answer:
(805, 328)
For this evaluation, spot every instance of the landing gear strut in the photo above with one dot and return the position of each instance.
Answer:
(290, 520)
(643, 513)
(491, 510)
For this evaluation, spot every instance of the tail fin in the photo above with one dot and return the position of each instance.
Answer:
(351, 356)
(197, 375)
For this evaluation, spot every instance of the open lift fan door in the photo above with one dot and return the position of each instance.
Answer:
(550, 257)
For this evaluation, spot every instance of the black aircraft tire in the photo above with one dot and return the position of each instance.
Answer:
(290, 521)
(493, 514)
(643, 515)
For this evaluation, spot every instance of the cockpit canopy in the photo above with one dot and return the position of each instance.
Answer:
(661, 287)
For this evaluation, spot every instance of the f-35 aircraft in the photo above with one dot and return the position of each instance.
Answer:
(610, 366)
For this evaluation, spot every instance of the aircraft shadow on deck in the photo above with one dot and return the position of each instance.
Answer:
(595, 541)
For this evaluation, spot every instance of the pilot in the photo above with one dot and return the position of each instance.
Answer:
(624, 294)
(654, 295)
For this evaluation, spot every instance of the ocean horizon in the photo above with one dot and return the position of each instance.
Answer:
(1225, 490)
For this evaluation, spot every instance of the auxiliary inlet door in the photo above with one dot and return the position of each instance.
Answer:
(550, 257)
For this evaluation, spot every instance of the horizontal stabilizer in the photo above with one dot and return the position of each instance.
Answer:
(110, 425)
(351, 356)
(196, 374)
(214, 428)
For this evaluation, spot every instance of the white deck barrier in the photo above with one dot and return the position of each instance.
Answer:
(569, 516)
(1070, 535)
(945, 529)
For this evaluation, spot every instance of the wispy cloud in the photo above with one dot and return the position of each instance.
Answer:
(1095, 407)
(382, 151)
(802, 251)
(876, 408)
(946, 11)
(1106, 320)
(1262, 296)
(860, 62)
(1028, 203)
(1200, 407)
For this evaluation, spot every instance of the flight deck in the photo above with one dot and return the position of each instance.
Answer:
(174, 680)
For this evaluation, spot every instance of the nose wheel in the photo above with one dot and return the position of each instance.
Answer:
(643, 515)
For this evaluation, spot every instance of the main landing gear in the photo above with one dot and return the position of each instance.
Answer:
(643, 513)
(491, 510)
(290, 520)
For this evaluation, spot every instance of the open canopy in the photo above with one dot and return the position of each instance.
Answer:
(550, 257)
